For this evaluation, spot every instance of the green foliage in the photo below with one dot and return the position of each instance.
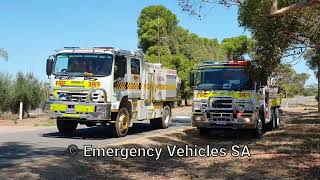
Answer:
(149, 20)
(5, 91)
(280, 36)
(180, 49)
(291, 82)
(313, 60)
(25, 88)
(237, 47)
(311, 90)
(195, 48)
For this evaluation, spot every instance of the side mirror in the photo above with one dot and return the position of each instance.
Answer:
(191, 79)
(259, 85)
(279, 90)
(49, 66)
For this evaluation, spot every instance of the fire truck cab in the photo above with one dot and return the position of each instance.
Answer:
(108, 86)
(226, 97)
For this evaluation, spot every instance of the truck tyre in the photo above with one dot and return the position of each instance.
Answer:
(121, 126)
(163, 122)
(271, 125)
(258, 133)
(66, 127)
(203, 131)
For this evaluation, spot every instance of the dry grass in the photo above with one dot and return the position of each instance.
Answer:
(12, 120)
(289, 152)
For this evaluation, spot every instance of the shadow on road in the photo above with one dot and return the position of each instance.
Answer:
(101, 132)
(13, 152)
(104, 132)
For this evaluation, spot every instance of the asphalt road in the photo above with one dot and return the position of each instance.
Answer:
(21, 145)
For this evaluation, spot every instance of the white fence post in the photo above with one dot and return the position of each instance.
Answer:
(21, 110)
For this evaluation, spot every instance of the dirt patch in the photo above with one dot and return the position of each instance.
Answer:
(182, 111)
(40, 120)
(289, 152)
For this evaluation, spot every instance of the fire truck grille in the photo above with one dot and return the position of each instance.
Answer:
(75, 96)
(221, 118)
(221, 103)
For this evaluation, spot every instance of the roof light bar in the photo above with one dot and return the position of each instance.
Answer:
(239, 63)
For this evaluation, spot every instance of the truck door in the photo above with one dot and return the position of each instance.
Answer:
(134, 86)
(120, 76)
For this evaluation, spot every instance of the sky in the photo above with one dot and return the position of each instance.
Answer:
(31, 30)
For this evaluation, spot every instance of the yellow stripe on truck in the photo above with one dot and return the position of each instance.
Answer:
(71, 115)
(84, 108)
(86, 84)
(236, 95)
(58, 107)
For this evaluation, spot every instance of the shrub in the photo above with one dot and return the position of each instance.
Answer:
(27, 89)
(5, 91)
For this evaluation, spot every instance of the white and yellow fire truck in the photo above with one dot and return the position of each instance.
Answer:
(226, 97)
(106, 86)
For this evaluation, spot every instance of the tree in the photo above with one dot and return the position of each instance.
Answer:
(150, 19)
(280, 37)
(291, 7)
(291, 82)
(237, 47)
(3, 54)
(311, 90)
(287, 6)
(27, 89)
(281, 29)
(5, 92)
(313, 61)
(180, 49)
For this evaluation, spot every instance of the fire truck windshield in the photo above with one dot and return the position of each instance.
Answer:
(223, 79)
(78, 64)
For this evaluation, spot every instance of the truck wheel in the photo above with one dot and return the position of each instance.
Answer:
(66, 127)
(121, 126)
(271, 125)
(203, 131)
(259, 129)
(163, 122)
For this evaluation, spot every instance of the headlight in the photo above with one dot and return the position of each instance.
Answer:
(197, 106)
(240, 109)
(99, 96)
(198, 118)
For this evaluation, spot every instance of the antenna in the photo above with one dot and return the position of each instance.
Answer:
(71, 47)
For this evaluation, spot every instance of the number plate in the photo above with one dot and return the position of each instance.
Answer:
(70, 111)
(221, 122)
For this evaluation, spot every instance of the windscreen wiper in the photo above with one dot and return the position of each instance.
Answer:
(64, 75)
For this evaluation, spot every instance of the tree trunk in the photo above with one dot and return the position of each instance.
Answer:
(186, 102)
(318, 99)
(295, 6)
